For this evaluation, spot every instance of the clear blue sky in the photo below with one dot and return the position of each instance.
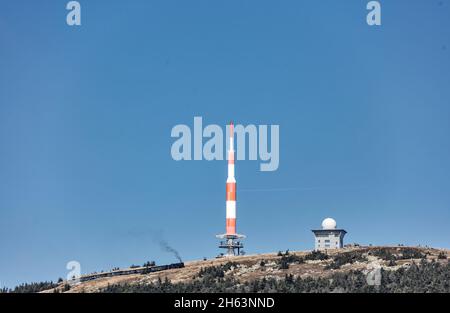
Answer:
(86, 113)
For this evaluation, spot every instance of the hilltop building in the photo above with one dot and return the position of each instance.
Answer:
(329, 237)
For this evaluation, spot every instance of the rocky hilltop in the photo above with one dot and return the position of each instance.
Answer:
(354, 269)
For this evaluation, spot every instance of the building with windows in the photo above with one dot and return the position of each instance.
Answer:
(329, 237)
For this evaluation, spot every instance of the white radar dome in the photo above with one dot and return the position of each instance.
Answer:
(329, 223)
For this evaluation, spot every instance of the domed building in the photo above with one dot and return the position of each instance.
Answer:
(329, 237)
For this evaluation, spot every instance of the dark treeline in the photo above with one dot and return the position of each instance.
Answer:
(31, 287)
(425, 277)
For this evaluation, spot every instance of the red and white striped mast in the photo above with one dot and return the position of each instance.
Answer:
(231, 242)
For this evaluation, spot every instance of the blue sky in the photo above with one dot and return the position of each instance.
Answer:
(86, 113)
